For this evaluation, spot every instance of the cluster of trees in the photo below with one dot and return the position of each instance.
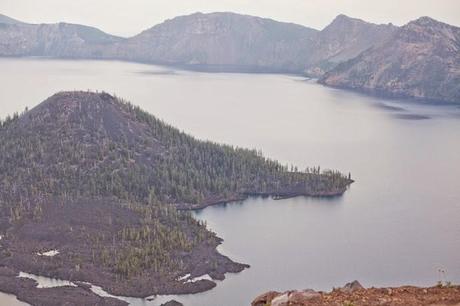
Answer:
(9, 119)
(80, 157)
(4, 123)
(155, 245)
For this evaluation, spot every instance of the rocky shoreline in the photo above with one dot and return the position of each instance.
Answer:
(55, 232)
(353, 294)
(26, 290)
(277, 195)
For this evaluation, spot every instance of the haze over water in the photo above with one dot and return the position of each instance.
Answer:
(397, 224)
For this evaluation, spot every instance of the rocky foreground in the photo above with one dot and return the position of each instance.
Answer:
(353, 294)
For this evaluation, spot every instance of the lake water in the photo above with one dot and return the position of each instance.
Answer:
(398, 224)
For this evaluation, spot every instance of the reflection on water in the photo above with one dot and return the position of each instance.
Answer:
(398, 224)
(412, 117)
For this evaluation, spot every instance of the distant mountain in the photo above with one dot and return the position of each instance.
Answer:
(229, 41)
(57, 40)
(215, 41)
(225, 41)
(420, 60)
(344, 39)
(8, 20)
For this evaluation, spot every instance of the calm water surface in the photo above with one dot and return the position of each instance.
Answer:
(398, 224)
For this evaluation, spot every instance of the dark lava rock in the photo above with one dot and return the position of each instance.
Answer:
(25, 289)
(83, 285)
(172, 303)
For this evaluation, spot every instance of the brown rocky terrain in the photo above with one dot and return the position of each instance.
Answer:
(353, 294)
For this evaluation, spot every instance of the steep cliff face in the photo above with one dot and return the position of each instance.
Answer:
(420, 60)
(344, 39)
(222, 39)
(58, 40)
(216, 41)
(252, 43)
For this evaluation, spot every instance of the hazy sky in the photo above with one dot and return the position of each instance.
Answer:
(125, 18)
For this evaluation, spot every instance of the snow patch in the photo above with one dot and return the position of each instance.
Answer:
(50, 253)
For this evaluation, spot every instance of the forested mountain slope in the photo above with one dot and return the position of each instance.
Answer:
(99, 180)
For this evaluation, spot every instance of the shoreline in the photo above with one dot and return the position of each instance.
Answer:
(245, 195)
(232, 69)
(12, 286)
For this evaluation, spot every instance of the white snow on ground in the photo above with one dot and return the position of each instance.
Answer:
(49, 253)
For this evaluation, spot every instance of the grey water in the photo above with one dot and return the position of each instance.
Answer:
(399, 223)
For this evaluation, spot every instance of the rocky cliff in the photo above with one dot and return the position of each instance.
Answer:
(226, 40)
(344, 39)
(420, 60)
(56, 40)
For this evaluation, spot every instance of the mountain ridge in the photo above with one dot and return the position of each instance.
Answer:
(247, 43)
(231, 42)
(420, 61)
(8, 20)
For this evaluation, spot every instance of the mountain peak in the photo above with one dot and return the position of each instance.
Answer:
(343, 19)
(72, 99)
(425, 20)
(78, 108)
(8, 20)
(428, 22)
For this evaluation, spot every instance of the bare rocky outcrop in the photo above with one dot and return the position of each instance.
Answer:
(355, 294)
(420, 60)
(64, 40)
(172, 303)
(344, 39)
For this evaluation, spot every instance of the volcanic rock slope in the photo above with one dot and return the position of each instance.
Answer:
(420, 60)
